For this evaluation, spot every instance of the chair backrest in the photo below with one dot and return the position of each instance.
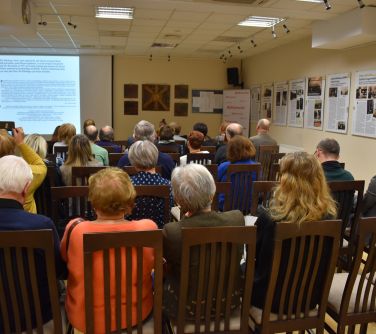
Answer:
(23, 256)
(261, 194)
(109, 149)
(42, 195)
(364, 305)
(153, 202)
(131, 170)
(122, 143)
(81, 174)
(344, 193)
(200, 158)
(213, 169)
(210, 149)
(274, 159)
(265, 158)
(242, 177)
(113, 158)
(274, 174)
(215, 253)
(175, 157)
(304, 260)
(225, 189)
(122, 270)
(70, 202)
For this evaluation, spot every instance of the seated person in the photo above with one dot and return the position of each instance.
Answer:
(106, 138)
(327, 152)
(64, 135)
(301, 196)
(203, 128)
(193, 188)
(15, 178)
(369, 200)
(99, 152)
(232, 130)
(112, 196)
(144, 130)
(143, 154)
(79, 154)
(166, 142)
(8, 146)
(195, 140)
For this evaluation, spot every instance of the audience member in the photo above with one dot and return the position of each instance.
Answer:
(64, 135)
(166, 142)
(177, 130)
(232, 130)
(79, 154)
(262, 137)
(302, 195)
(15, 179)
(100, 153)
(143, 154)
(88, 122)
(327, 152)
(8, 145)
(193, 188)
(369, 200)
(53, 139)
(112, 196)
(195, 140)
(240, 150)
(203, 128)
(144, 130)
(106, 138)
(220, 139)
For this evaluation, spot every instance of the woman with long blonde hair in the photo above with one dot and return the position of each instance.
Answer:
(302, 195)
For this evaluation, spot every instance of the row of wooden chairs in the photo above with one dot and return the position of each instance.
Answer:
(352, 302)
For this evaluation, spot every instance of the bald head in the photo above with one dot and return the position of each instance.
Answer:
(106, 133)
(91, 132)
(263, 125)
(233, 129)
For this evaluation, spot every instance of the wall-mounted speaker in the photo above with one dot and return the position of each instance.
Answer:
(233, 76)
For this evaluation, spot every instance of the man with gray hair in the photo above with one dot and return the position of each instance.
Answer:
(262, 137)
(232, 130)
(106, 138)
(327, 152)
(100, 153)
(145, 130)
(15, 179)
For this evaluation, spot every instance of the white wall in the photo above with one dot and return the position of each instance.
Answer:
(298, 60)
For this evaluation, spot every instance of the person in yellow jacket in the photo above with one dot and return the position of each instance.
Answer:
(39, 169)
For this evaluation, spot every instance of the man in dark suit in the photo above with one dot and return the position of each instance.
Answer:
(232, 130)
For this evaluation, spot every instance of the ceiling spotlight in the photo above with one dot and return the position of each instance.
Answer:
(74, 26)
(229, 53)
(287, 30)
(150, 57)
(224, 60)
(361, 4)
(240, 49)
(253, 43)
(273, 33)
(41, 22)
(327, 5)
(168, 58)
(222, 56)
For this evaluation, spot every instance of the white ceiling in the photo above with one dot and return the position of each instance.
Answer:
(200, 28)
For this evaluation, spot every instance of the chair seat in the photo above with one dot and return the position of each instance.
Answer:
(337, 289)
(255, 316)
(190, 325)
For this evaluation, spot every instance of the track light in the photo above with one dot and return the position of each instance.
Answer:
(74, 26)
(253, 43)
(361, 4)
(168, 58)
(229, 53)
(41, 22)
(150, 57)
(287, 30)
(240, 49)
(327, 5)
(224, 60)
(222, 56)
(273, 33)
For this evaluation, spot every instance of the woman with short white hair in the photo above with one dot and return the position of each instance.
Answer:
(193, 188)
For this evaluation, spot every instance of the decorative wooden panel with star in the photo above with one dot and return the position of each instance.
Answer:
(156, 97)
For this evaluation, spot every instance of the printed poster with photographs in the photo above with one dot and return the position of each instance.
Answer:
(255, 103)
(295, 103)
(266, 101)
(280, 103)
(364, 116)
(337, 102)
(314, 109)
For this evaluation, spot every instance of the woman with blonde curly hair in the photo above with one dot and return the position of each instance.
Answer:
(302, 195)
(112, 196)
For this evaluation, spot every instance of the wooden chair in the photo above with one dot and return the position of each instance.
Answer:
(213, 169)
(80, 175)
(200, 158)
(175, 157)
(261, 194)
(274, 159)
(152, 199)
(114, 158)
(344, 193)
(213, 250)
(241, 177)
(122, 143)
(352, 296)
(299, 252)
(225, 189)
(274, 174)
(109, 149)
(68, 203)
(210, 149)
(265, 159)
(61, 152)
(123, 270)
(131, 170)
(20, 253)
(42, 195)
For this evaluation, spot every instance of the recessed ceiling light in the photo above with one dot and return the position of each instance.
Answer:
(114, 13)
(260, 21)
